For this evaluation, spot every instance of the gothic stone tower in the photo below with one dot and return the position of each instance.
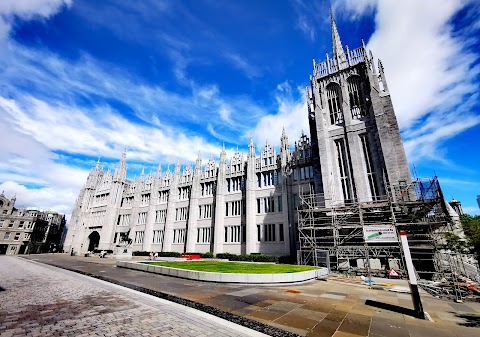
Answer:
(355, 135)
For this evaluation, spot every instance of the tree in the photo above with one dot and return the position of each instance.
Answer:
(471, 228)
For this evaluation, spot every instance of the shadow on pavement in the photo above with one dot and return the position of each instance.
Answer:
(471, 320)
(392, 307)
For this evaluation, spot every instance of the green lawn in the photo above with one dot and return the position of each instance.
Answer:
(234, 267)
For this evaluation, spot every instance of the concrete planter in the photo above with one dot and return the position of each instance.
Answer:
(226, 277)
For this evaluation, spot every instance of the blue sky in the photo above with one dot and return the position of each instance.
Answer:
(82, 79)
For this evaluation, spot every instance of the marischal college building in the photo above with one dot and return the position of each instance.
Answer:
(250, 203)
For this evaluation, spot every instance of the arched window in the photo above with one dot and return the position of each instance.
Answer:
(355, 94)
(334, 106)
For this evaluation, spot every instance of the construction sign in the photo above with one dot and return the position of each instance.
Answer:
(393, 273)
(380, 233)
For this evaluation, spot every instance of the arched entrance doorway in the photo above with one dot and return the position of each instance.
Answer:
(94, 238)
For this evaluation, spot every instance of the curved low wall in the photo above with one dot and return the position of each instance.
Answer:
(226, 277)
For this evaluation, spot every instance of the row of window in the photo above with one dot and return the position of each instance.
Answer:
(123, 220)
(267, 205)
(26, 236)
(161, 216)
(303, 173)
(235, 184)
(21, 224)
(232, 234)
(266, 179)
(181, 214)
(183, 193)
(207, 188)
(205, 211)
(356, 100)
(97, 218)
(234, 208)
(268, 232)
(101, 198)
(142, 218)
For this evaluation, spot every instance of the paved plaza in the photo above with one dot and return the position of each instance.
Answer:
(41, 300)
(313, 309)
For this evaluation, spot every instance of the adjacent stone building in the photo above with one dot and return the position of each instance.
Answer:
(248, 203)
(28, 230)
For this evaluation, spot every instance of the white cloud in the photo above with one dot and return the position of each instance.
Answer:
(242, 64)
(291, 115)
(26, 9)
(429, 68)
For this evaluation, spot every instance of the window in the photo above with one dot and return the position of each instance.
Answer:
(355, 96)
(179, 235)
(123, 220)
(205, 211)
(280, 232)
(160, 216)
(369, 166)
(280, 204)
(234, 184)
(97, 218)
(1, 223)
(279, 177)
(16, 237)
(145, 199)
(269, 231)
(183, 193)
(266, 233)
(343, 169)
(233, 234)
(139, 236)
(295, 201)
(266, 178)
(207, 189)
(265, 205)
(333, 98)
(11, 223)
(204, 234)
(162, 196)
(27, 236)
(181, 214)
(5, 211)
(158, 236)
(7, 236)
(233, 208)
(142, 218)
(20, 224)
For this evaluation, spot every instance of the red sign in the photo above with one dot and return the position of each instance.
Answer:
(393, 273)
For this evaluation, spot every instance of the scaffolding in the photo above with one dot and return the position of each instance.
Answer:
(332, 236)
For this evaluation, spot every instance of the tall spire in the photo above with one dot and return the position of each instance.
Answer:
(251, 148)
(120, 172)
(198, 163)
(223, 154)
(337, 49)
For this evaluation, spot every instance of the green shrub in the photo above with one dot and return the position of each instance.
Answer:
(168, 254)
(162, 254)
(140, 253)
(257, 258)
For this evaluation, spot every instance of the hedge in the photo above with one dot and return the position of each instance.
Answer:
(256, 258)
(162, 254)
(287, 259)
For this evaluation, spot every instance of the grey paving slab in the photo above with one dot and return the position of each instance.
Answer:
(43, 300)
(334, 315)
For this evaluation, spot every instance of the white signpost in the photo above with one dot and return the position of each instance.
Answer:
(380, 233)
